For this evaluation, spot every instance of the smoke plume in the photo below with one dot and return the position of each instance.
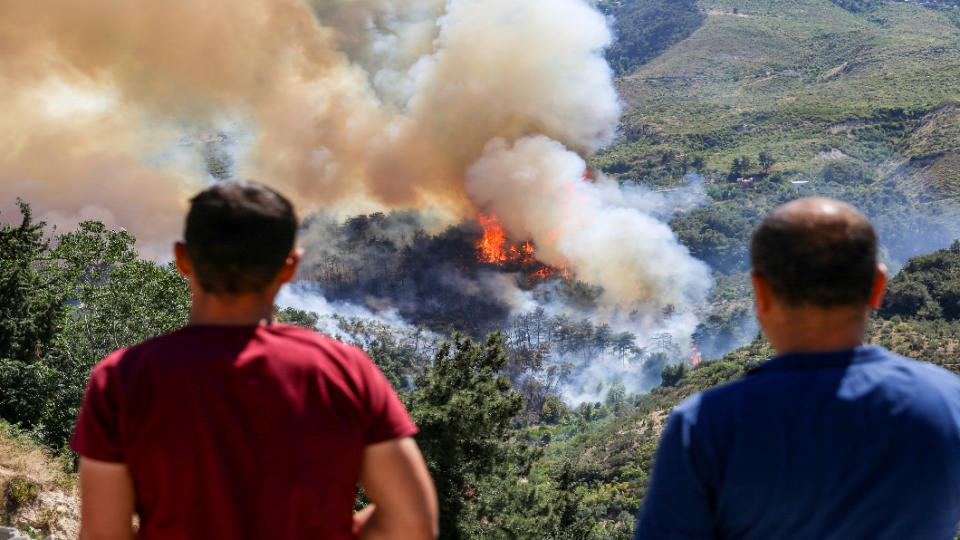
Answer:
(460, 105)
(536, 185)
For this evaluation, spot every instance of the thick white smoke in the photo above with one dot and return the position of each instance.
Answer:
(308, 298)
(537, 187)
(461, 105)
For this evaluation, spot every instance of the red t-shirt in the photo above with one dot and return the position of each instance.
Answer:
(240, 431)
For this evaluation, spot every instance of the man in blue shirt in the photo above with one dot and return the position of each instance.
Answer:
(829, 440)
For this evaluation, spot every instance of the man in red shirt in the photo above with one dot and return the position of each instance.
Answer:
(237, 427)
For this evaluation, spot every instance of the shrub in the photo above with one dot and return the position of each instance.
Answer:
(671, 375)
(20, 490)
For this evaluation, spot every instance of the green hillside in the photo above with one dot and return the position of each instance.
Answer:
(804, 81)
(645, 29)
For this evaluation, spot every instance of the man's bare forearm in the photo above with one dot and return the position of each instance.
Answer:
(370, 526)
(86, 535)
(395, 478)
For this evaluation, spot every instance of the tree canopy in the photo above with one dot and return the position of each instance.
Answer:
(65, 304)
(645, 28)
(927, 287)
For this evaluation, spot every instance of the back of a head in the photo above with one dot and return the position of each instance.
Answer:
(816, 251)
(238, 235)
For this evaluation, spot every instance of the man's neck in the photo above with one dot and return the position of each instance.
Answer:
(818, 330)
(239, 309)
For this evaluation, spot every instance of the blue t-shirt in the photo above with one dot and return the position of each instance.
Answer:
(841, 445)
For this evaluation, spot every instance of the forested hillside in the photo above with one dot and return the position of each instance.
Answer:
(928, 287)
(645, 29)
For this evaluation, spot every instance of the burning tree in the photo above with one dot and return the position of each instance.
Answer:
(494, 248)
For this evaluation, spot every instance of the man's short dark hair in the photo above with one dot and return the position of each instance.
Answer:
(238, 235)
(810, 255)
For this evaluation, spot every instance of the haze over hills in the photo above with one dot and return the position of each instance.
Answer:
(805, 81)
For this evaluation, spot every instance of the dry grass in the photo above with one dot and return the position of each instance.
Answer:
(44, 495)
(19, 457)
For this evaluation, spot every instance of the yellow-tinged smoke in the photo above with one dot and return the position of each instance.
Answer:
(347, 104)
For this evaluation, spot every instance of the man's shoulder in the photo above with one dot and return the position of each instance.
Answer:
(308, 336)
(924, 382)
(922, 376)
(727, 392)
(296, 336)
(127, 357)
(187, 342)
(931, 387)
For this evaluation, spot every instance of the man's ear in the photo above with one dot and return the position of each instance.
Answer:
(289, 268)
(761, 292)
(182, 259)
(879, 286)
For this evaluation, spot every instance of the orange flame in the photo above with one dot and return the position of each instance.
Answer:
(493, 248)
(548, 272)
(695, 356)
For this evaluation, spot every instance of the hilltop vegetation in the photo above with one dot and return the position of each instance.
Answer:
(771, 101)
(643, 30)
(928, 287)
(66, 304)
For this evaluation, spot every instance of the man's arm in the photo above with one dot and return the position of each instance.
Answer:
(107, 502)
(678, 504)
(397, 482)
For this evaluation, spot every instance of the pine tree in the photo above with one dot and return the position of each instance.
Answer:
(464, 407)
(766, 161)
(31, 307)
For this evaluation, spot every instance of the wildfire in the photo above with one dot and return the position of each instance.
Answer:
(549, 271)
(695, 356)
(493, 248)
